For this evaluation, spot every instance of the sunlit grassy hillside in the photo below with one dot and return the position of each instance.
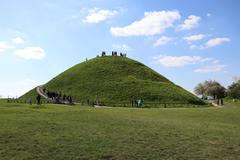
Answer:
(117, 80)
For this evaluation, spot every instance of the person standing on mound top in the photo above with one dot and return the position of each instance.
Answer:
(38, 99)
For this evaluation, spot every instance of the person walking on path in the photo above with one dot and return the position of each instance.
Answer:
(30, 100)
(38, 99)
(221, 102)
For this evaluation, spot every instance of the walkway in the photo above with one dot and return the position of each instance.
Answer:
(41, 93)
(215, 104)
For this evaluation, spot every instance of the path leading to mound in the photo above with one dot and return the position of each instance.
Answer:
(215, 104)
(41, 93)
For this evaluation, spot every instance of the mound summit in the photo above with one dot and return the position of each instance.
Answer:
(114, 81)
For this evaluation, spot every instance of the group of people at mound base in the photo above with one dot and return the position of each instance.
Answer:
(138, 103)
(56, 97)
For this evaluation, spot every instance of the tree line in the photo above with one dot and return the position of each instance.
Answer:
(217, 91)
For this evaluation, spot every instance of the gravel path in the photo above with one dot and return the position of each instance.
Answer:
(41, 93)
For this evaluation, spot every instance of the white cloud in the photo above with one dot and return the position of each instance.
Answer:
(36, 53)
(216, 41)
(162, 41)
(27, 81)
(193, 46)
(210, 69)
(97, 15)
(216, 61)
(209, 14)
(236, 78)
(191, 22)
(192, 38)
(18, 40)
(5, 46)
(214, 67)
(211, 43)
(122, 47)
(17, 88)
(151, 24)
(79, 14)
(179, 61)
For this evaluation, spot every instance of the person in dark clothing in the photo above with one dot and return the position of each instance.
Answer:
(38, 99)
(67, 99)
(221, 102)
(142, 102)
(103, 53)
(60, 95)
(70, 99)
(64, 98)
(30, 100)
(135, 103)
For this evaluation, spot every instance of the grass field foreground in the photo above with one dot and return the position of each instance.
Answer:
(62, 132)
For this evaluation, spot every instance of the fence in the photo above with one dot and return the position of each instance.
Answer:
(144, 105)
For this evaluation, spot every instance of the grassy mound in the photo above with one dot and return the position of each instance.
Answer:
(117, 81)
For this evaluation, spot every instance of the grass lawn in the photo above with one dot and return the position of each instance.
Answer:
(59, 132)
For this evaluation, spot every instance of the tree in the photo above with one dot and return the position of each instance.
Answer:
(234, 90)
(210, 88)
(220, 91)
(200, 90)
(214, 89)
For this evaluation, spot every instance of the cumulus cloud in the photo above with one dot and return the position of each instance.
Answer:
(210, 69)
(216, 41)
(97, 15)
(211, 43)
(215, 66)
(191, 22)
(179, 61)
(17, 88)
(162, 41)
(122, 47)
(193, 46)
(36, 53)
(216, 61)
(151, 24)
(5, 46)
(192, 38)
(17, 40)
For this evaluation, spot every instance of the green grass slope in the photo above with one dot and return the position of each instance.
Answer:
(117, 81)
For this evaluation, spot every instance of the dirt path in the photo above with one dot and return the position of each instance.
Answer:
(215, 104)
(41, 93)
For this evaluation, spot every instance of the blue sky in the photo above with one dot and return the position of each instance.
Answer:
(186, 41)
